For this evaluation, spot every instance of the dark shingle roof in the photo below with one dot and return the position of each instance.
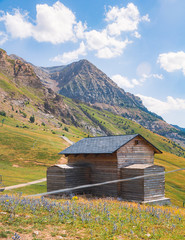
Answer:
(97, 145)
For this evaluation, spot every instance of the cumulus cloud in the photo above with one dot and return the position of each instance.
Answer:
(54, 23)
(125, 19)
(17, 25)
(57, 24)
(71, 56)
(172, 61)
(106, 46)
(124, 82)
(110, 42)
(80, 29)
(163, 107)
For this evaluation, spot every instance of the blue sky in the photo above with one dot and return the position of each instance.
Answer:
(139, 44)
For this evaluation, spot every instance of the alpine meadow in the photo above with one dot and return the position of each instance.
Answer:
(92, 103)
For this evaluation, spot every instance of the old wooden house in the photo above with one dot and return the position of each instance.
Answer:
(100, 159)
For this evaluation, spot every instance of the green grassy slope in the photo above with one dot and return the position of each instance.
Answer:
(27, 152)
(116, 125)
(27, 149)
(175, 182)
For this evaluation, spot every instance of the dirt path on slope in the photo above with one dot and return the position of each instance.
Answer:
(25, 184)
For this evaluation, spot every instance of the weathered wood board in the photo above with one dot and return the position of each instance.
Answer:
(143, 189)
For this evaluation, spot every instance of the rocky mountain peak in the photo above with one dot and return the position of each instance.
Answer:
(20, 71)
(85, 82)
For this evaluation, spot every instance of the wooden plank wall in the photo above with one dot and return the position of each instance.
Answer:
(103, 168)
(132, 190)
(132, 153)
(154, 187)
(103, 174)
(94, 159)
(61, 177)
(143, 189)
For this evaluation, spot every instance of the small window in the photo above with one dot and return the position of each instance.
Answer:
(136, 142)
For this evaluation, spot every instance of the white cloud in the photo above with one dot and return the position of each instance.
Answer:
(145, 18)
(57, 24)
(124, 82)
(80, 29)
(163, 107)
(53, 24)
(3, 38)
(106, 46)
(158, 76)
(17, 25)
(96, 40)
(137, 35)
(71, 56)
(149, 76)
(124, 19)
(172, 61)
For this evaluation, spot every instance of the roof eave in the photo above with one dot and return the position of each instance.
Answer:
(66, 153)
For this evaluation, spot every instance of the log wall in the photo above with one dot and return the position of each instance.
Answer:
(154, 187)
(137, 151)
(103, 168)
(143, 189)
(66, 176)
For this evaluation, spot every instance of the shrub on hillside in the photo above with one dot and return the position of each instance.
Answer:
(32, 119)
(3, 113)
(23, 114)
(66, 129)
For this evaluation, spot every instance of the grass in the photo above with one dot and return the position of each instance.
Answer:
(81, 218)
(8, 86)
(174, 182)
(118, 125)
(26, 153)
(29, 147)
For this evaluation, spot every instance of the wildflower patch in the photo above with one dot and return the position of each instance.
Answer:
(43, 218)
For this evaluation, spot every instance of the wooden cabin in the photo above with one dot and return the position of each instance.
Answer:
(100, 159)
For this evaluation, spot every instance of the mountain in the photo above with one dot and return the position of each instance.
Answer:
(85, 82)
(182, 129)
(82, 81)
(21, 88)
(42, 73)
